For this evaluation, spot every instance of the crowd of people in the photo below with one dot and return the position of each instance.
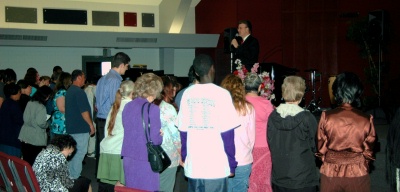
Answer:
(226, 138)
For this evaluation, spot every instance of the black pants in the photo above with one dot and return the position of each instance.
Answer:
(100, 126)
(30, 152)
(277, 188)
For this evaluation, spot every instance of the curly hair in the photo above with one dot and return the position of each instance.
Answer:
(147, 85)
(235, 86)
(63, 142)
(252, 82)
(126, 88)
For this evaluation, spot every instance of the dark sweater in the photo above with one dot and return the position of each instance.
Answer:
(11, 121)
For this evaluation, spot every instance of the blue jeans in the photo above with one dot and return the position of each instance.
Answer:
(206, 185)
(240, 182)
(75, 164)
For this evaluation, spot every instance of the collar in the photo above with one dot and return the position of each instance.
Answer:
(285, 110)
(115, 73)
(244, 39)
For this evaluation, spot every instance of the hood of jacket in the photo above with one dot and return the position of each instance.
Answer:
(289, 116)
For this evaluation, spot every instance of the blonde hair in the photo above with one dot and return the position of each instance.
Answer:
(293, 88)
(126, 88)
(235, 86)
(147, 85)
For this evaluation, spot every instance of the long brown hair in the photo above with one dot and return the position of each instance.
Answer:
(126, 88)
(167, 94)
(235, 86)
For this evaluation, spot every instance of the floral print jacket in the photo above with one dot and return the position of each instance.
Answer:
(51, 170)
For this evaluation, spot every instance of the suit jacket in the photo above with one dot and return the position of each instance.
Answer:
(248, 52)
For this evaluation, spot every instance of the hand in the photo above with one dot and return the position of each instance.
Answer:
(235, 43)
(231, 175)
(92, 130)
(181, 163)
(161, 132)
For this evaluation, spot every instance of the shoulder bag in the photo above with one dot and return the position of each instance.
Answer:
(158, 159)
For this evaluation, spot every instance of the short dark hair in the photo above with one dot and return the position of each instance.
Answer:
(56, 68)
(247, 23)
(63, 142)
(347, 88)
(202, 64)
(11, 89)
(9, 75)
(42, 94)
(192, 75)
(75, 74)
(30, 76)
(120, 58)
(23, 84)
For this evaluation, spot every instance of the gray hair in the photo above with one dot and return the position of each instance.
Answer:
(252, 82)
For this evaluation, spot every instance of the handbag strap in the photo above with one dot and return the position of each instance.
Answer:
(148, 122)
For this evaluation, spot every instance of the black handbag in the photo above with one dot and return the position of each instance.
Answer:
(158, 159)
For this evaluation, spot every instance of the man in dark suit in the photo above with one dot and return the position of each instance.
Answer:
(246, 50)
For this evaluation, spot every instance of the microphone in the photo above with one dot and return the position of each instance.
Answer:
(238, 38)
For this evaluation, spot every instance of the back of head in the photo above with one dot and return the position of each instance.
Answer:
(11, 89)
(126, 88)
(247, 23)
(55, 76)
(147, 85)
(44, 78)
(293, 88)
(42, 94)
(235, 87)
(23, 84)
(63, 142)
(347, 88)
(9, 75)
(202, 64)
(192, 75)
(251, 82)
(120, 58)
(57, 69)
(30, 76)
(63, 81)
(75, 74)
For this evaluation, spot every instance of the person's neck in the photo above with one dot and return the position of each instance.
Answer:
(205, 80)
(252, 93)
(14, 97)
(245, 36)
(116, 69)
(76, 84)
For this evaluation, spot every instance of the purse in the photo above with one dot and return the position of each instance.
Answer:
(158, 159)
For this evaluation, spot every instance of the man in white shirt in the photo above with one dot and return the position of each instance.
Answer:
(206, 121)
